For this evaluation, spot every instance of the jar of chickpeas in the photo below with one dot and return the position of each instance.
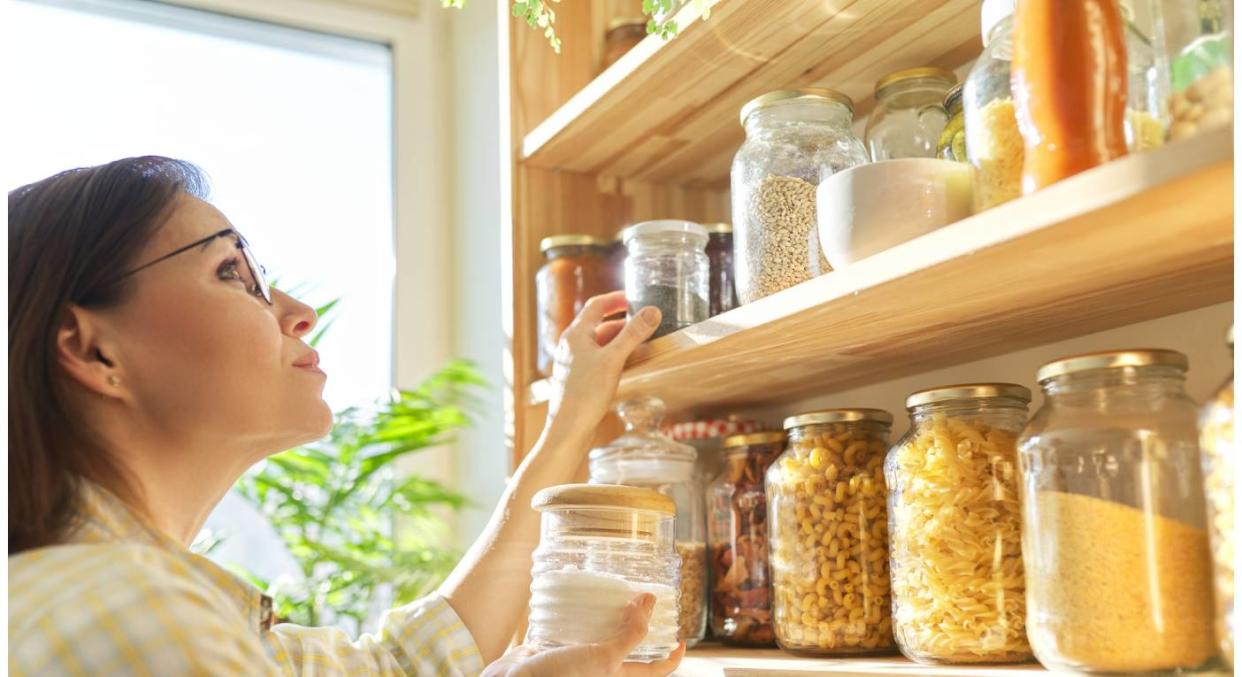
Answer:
(829, 534)
(955, 526)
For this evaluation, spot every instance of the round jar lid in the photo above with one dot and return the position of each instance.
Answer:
(665, 226)
(1112, 359)
(932, 72)
(952, 96)
(753, 438)
(555, 241)
(578, 496)
(967, 391)
(838, 416)
(707, 429)
(808, 94)
(719, 227)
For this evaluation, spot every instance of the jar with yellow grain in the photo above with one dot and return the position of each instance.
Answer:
(1219, 466)
(993, 142)
(829, 534)
(955, 526)
(1114, 535)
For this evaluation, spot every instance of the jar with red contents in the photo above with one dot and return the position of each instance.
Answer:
(576, 268)
(707, 436)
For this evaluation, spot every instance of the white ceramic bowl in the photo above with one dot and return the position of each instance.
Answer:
(869, 208)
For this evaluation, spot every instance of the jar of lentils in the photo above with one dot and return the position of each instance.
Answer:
(829, 530)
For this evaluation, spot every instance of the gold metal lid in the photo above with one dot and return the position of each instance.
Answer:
(953, 96)
(820, 94)
(719, 227)
(838, 416)
(1112, 359)
(966, 391)
(555, 241)
(569, 496)
(911, 73)
(753, 438)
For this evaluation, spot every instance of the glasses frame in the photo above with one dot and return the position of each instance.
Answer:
(257, 272)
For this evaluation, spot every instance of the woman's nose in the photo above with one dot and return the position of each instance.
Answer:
(296, 318)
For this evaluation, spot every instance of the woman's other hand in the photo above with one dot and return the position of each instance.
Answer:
(590, 356)
(602, 659)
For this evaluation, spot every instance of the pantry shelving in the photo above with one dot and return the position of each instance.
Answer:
(718, 661)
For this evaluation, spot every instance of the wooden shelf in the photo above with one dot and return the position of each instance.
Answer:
(713, 660)
(1146, 236)
(668, 111)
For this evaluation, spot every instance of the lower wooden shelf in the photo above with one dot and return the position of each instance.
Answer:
(714, 660)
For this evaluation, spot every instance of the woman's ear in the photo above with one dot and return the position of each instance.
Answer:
(84, 355)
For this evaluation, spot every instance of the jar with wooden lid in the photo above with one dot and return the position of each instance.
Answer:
(1114, 533)
(575, 269)
(828, 527)
(721, 295)
(952, 142)
(600, 546)
(908, 117)
(955, 526)
(737, 539)
(644, 457)
(1219, 468)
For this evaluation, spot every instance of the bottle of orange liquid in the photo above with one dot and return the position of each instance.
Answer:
(1069, 86)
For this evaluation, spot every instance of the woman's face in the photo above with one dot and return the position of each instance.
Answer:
(206, 359)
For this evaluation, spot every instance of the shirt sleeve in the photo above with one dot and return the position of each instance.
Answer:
(425, 637)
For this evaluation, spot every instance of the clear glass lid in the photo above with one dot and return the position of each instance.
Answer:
(642, 453)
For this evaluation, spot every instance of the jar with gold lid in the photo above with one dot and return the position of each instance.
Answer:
(576, 267)
(909, 116)
(952, 143)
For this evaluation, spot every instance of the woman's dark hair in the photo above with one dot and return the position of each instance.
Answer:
(71, 236)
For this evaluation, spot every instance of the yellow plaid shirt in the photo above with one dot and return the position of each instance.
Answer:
(120, 597)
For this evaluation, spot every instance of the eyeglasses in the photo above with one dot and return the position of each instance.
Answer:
(258, 275)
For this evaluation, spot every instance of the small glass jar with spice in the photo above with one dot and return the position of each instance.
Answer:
(721, 295)
(575, 269)
(667, 267)
(737, 538)
(908, 116)
(828, 526)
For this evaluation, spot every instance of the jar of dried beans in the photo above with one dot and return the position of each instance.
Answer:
(737, 539)
(794, 140)
(1114, 535)
(828, 528)
(955, 526)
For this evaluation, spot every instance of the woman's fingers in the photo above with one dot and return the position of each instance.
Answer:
(657, 668)
(594, 312)
(633, 628)
(637, 329)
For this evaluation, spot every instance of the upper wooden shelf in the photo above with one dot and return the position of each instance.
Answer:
(1146, 236)
(668, 111)
(711, 660)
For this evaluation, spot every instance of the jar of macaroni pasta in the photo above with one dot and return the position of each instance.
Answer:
(955, 526)
(1219, 466)
(829, 530)
(993, 143)
(600, 546)
(1114, 535)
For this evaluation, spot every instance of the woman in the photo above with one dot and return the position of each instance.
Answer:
(149, 366)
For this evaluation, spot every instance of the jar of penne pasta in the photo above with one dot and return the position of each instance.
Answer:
(829, 534)
(955, 526)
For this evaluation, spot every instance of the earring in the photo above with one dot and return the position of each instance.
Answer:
(114, 381)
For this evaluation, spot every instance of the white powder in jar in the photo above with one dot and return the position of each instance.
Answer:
(571, 606)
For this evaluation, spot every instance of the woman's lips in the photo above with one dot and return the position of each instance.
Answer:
(309, 362)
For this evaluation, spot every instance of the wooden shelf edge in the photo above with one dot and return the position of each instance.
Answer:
(1145, 236)
(713, 660)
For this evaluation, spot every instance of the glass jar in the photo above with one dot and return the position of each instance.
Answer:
(622, 35)
(616, 259)
(667, 267)
(908, 116)
(737, 537)
(952, 143)
(575, 269)
(1147, 67)
(721, 295)
(707, 436)
(829, 534)
(1216, 440)
(1200, 45)
(794, 140)
(600, 546)
(643, 457)
(993, 144)
(1114, 542)
(955, 526)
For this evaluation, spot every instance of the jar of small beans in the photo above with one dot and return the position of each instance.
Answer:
(955, 526)
(829, 534)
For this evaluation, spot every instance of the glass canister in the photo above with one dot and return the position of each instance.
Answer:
(737, 538)
(616, 259)
(908, 117)
(1219, 467)
(1147, 67)
(1114, 537)
(955, 526)
(993, 142)
(829, 534)
(952, 143)
(643, 457)
(1200, 47)
(667, 267)
(601, 546)
(794, 140)
(721, 295)
(575, 269)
